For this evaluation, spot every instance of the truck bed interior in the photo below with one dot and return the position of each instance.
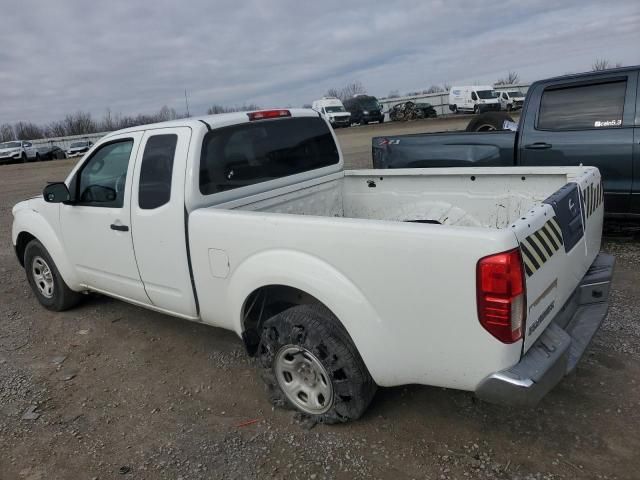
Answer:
(476, 198)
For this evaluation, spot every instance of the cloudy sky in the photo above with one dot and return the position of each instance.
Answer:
(133, 57)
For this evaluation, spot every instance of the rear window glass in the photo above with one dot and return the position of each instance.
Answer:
(264, 150)
(583, 107)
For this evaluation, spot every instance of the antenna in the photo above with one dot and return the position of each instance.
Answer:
(186, 102)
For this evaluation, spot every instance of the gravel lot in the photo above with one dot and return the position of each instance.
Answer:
(108, 390)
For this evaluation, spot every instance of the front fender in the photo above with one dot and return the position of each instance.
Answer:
(318, 278)
(30, 221)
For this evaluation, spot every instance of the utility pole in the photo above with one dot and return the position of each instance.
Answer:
(186, 102)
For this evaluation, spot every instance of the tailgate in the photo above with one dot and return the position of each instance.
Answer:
(559, 239)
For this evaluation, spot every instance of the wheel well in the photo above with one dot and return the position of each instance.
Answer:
(265, 302)
(21, 244)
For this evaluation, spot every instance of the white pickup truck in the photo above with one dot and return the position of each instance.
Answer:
(482, 279)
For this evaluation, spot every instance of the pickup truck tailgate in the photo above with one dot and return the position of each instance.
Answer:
(559, 240)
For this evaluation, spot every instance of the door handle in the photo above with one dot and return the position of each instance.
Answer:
(119, 228)
(538, 146)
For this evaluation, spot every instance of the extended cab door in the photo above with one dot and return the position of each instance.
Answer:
(159, 221)
(585, 121)
(96, 227)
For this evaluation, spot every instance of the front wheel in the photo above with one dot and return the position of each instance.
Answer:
(45, 279)
(309, 363)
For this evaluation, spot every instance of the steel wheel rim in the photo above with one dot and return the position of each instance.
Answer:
(42, 277)
(303, 379)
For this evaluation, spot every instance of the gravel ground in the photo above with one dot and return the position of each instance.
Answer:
(109, 391)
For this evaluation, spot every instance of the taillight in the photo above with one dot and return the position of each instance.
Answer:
(501, 295)
(264, 114)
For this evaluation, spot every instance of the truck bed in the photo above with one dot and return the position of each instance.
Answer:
(425, 229)
(478, 197)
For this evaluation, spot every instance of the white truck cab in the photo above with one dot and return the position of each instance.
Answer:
(332, 109)
(473, 98)
(488, 280)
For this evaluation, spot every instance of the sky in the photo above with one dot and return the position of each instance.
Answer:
(135, 56)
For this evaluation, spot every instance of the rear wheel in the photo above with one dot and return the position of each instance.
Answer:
(45, 279)
(309, 363)
(488, 121)
(37, 157)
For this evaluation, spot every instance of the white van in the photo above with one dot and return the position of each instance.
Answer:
(511, 99)
(332, 109)
(476, 99)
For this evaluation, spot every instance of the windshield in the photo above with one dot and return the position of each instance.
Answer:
(78, 144)
(370, 104)
(333, 109)
(10, 145)
(514, 94)
(486, 94)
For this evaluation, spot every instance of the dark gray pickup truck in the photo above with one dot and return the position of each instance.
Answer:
(591, 119)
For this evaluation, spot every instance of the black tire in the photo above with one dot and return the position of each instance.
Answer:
(24, 157)
(488, 121)
(63, 298)
(455, 109)
(37, 157)
(316, 329)
(476, 109)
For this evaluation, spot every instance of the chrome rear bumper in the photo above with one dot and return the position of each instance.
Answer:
(560, 347)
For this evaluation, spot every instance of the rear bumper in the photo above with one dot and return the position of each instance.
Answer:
(560, 347)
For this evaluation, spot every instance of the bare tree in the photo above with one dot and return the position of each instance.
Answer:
(600, 64)
(394, 94)
(510, 79)
(216, 108)
(446, 86)
(434, 89)
(27, 131)
(6, 133)
(352, 89)
(79, 123)
(332, 92)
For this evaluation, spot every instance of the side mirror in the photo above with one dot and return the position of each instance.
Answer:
(56, 193)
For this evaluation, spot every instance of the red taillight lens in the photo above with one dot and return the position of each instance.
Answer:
(501, 295)
(264, 114)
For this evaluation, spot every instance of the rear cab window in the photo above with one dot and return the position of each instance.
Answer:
(264, 150)
(582, 107)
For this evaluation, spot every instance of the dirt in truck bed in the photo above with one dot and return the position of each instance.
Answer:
(108, 390)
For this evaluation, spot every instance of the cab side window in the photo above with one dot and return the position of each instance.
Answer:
(156, 171)
(103, 177)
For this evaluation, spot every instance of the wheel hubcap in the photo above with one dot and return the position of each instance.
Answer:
(42, 277)
(303, 379)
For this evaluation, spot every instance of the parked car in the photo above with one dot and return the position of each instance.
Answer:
(364, 109)
(333, 110)
(79, 148)
(511, 100)
(18, 151)
(459, 278)
(474, 98)
(411, 111)
(51, 152)
(591, 118)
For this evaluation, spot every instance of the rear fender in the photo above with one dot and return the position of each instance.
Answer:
(317, 278)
